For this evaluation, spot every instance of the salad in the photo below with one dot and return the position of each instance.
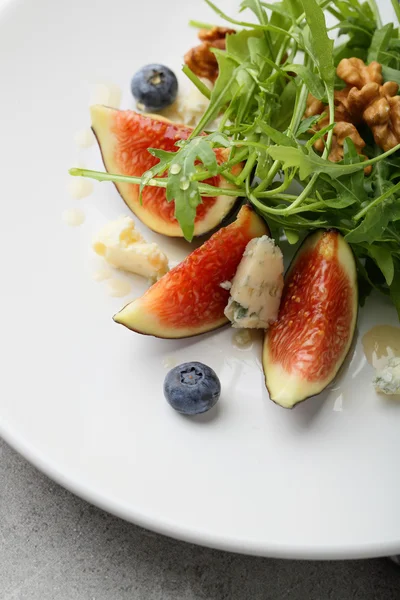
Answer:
(304, 148)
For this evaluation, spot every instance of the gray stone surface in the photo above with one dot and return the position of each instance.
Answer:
(54, 546)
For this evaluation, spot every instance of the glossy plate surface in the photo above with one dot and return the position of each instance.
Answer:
(82, 398)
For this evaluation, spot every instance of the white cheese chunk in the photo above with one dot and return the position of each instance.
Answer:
(257, 286)
(387, 380)
(189, 106)
(123, 247)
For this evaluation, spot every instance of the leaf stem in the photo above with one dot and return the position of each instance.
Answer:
(377, 201)
(197, 82)
(200, 25)
(247, 169)
(204, 189)
(268, 27)
(273, 192)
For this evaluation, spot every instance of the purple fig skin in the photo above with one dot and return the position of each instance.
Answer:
(161, 337)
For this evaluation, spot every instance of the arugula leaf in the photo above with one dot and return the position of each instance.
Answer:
(307, 124)
(275, 135)
(165, 159)
(372, 227)
(294, 7)
(291, 236)
(396, 6)
(282, 113)
(322, 45)
(237, 45)
(278, 7)
(181, 188)
(309, 162)
(359, 35)
(351, 188)
(222, 92)
(312, 81)
(380, 42)
(343, 51)
(383, 258)
(390, 74)
(340, 201)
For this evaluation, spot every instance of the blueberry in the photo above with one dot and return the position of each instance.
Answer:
(192, 388)
(154, 87)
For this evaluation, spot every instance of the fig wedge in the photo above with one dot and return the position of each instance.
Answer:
(124, 137)
(189, 300)
(304, 349)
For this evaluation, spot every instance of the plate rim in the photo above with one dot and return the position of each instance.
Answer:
(185, 534)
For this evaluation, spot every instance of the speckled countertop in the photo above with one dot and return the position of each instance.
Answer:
(54, 546)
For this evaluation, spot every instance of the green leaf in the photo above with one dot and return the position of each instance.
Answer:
(319, 134)
(293, 157)
(294, 7)
(322, 45)
(307, 124)
(312, 163)
(165, 159)
(309, 163)
(390, 74)
(237, 45)
(277, 7)
(292, 236)
(380, 42)
(341, 201)
(383, 258)
(282, 115)
(256, 7)
(396, 6)
(312, 81)
(372, 227)
(222, 92)
(360, 36)
(219, 139)
(276, 136)
(350, 188)
(343, 51)
(181, 188)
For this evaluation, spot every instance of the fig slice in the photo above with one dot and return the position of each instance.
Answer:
(304, 349)
(124, 137)
(189, 299)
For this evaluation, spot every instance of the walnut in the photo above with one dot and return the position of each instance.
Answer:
(380, 109)
(363, 100)
(216, 33)
(314, 106)
(200, 59)
(355, 72)
(343, 126)
(341, 131)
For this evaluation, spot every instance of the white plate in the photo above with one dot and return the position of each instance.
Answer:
(82, 398)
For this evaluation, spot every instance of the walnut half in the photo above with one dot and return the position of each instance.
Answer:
(364, 100)
(200, 59)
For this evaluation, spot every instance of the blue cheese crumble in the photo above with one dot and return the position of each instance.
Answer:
(256, 288)
(387, 380)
